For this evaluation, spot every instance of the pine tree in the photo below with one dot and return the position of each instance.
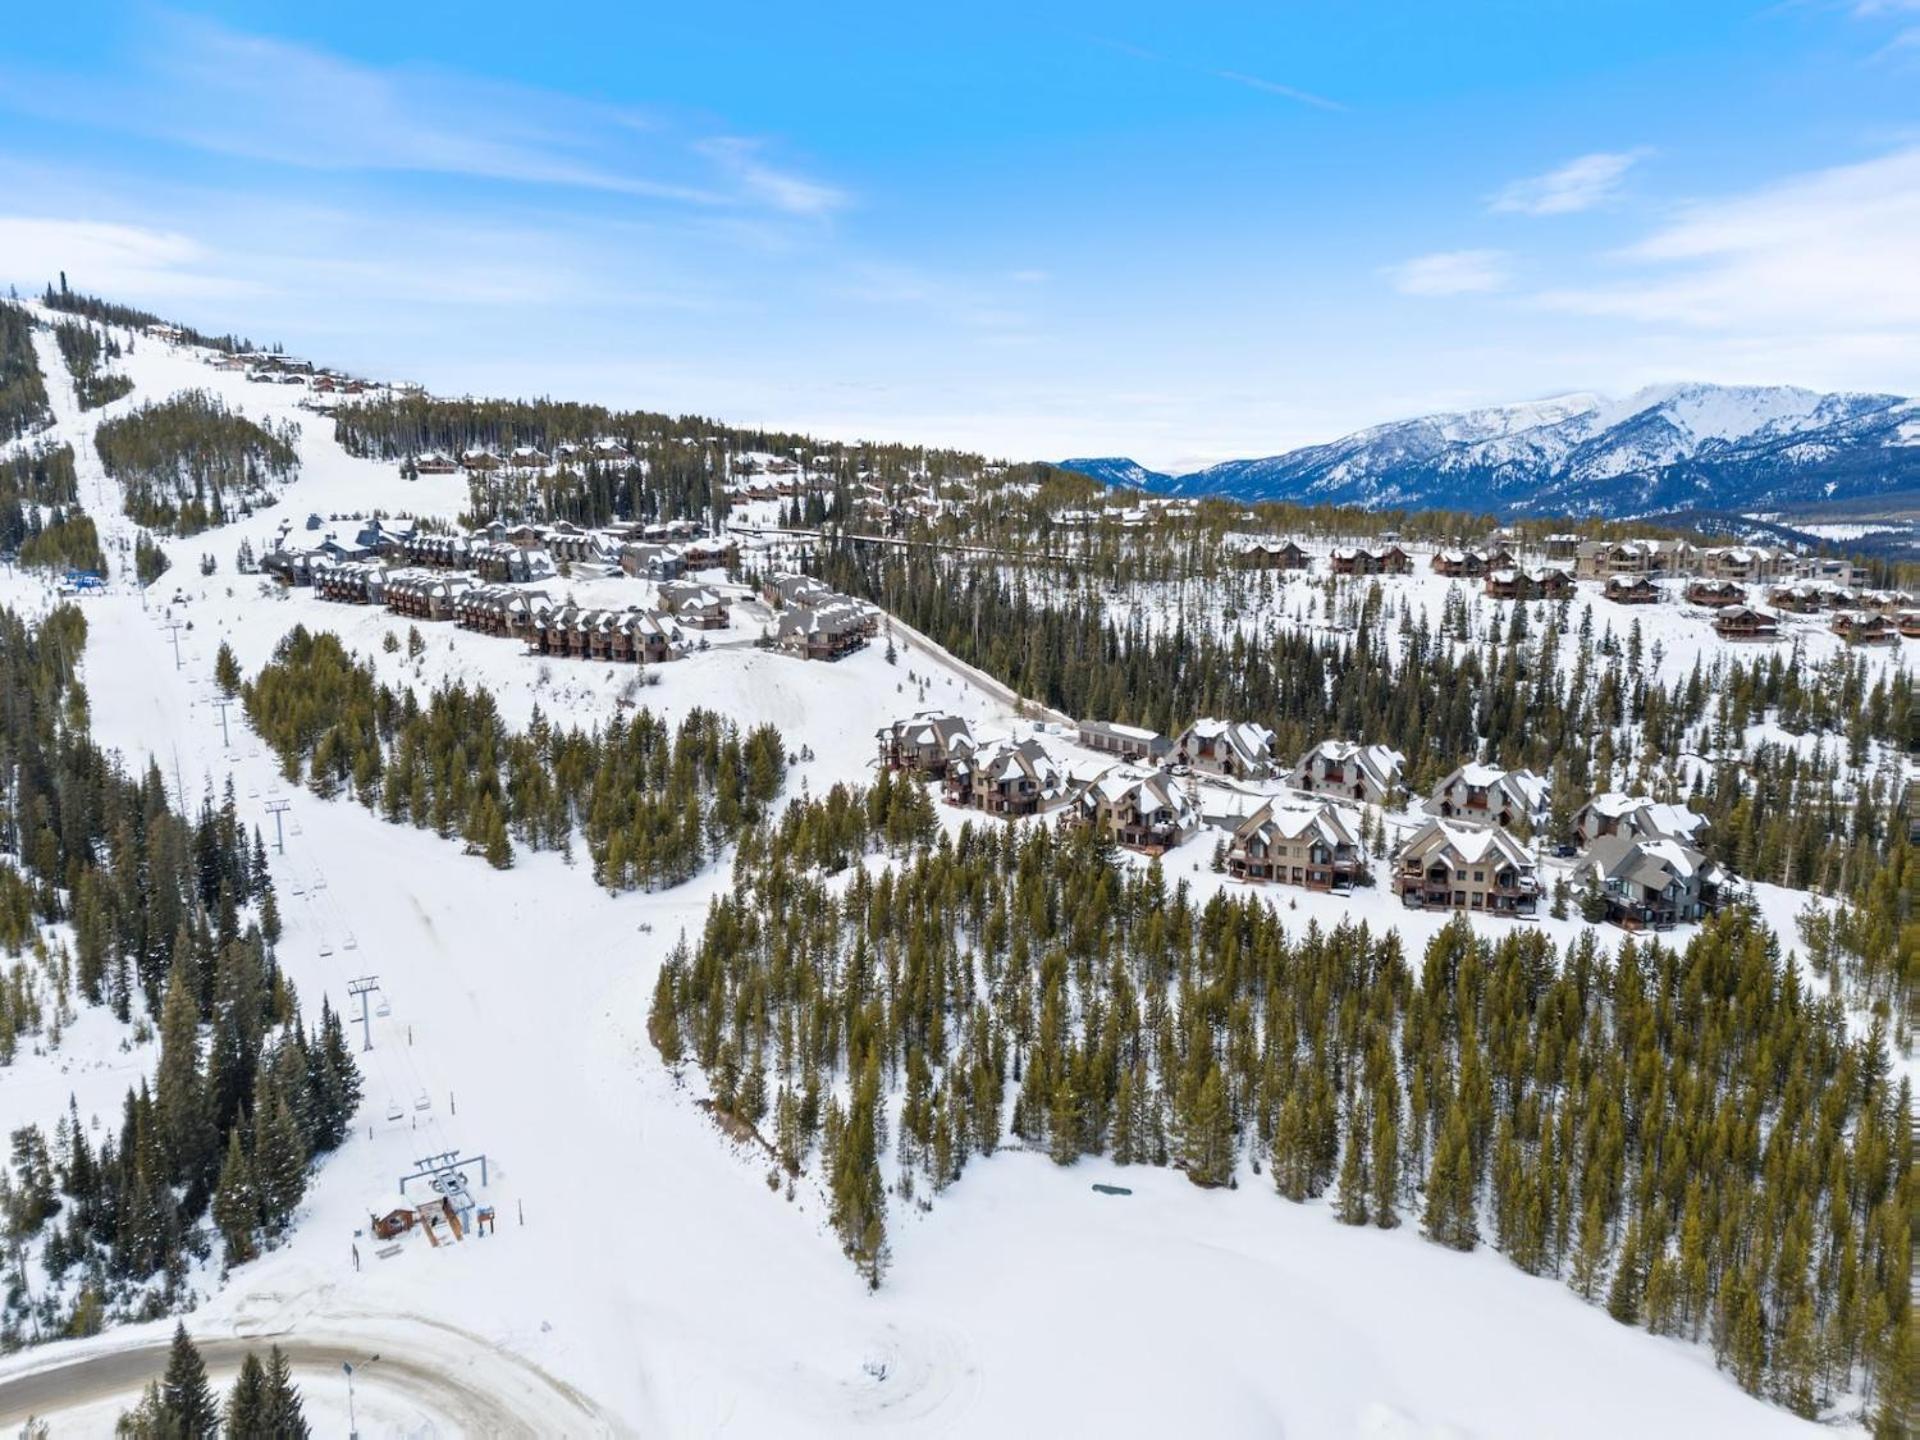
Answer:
(187, 1402)
(1208, 1137)
(1351, 1208)
(247, 1401)
(279, 1155)
(226, 671)
(236, 1203)
(283, 1411)
(185, 1121)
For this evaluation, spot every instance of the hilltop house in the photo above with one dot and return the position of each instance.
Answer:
(1540, 583)
(1744, 564)
(1354, 772)
(699, 607)
(1715, 594)
(1467, 564)
(1488, 795)
(1485, 793)
(1273, 555)
(652, 562)
(1612, 813)
(1360, 560)
(1466, 867)
(498, 610)
(1800, 599)
(1605, 559)
(1864, 627)
(1143, 810)
(447, 552)
(924, 744)
(1008, 778)
(1313, 847)
(499, 562)
(1743, 622)
(1237, 749)
(827, 631)
(424, 596)
(1630, 590)
(1650, 883)
(792, 589)
(357, 582)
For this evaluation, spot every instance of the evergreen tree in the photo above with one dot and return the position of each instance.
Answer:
(188, 1407)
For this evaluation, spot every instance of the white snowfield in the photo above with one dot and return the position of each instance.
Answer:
(644, 1278)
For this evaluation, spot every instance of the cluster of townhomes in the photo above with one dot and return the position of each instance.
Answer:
(1469, 848)
(1724, 580)
(814, 621)
(488, 582)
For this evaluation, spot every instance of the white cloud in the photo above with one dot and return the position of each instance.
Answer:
(779, 189)
(1819, 255)
(260, 98)
(1578, 185)
(1451, 272)
(111, 258)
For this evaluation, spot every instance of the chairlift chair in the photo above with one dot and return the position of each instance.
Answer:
(326, 947)
(352, 944)
(395, 1112)
(382, 1008)
(423, 1101)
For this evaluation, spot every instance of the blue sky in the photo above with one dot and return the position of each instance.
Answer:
(1033, 230)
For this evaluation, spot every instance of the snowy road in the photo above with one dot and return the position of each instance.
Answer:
(453, 1380)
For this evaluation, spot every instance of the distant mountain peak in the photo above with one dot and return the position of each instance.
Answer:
(1119, 472)
(1682, 445)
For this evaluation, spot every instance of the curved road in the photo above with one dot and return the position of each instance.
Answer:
(501, 1395)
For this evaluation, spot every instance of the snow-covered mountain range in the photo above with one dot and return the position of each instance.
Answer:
(1667, 448)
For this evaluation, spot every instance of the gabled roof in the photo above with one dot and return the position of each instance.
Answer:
(1381, 762)
(1652, 863)
(1149, 790)
(1321, 822)
(1467, 844)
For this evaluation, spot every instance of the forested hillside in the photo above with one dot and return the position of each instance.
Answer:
(87, 352)
(113, 898)
(189, 462)
(654, 802)
(42, 479)
(23, 390)
(1685, 1135)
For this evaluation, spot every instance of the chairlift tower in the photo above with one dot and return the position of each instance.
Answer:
(363, 987)
(277, 808)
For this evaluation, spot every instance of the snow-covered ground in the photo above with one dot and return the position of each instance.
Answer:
(645, 1277)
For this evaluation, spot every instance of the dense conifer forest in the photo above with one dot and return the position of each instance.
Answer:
(653, 802)
(23, 390)
(1829, 822)
(111, 897)
(188, 462)
(87, 352)
(42, 479)
(1691, 1137)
